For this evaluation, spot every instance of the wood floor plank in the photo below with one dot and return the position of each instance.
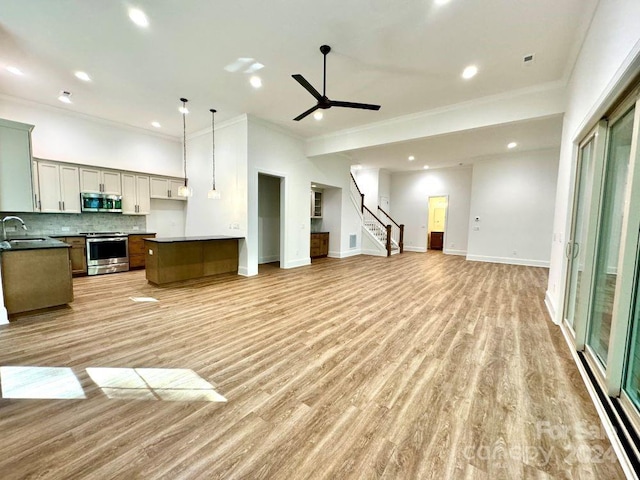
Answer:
(417, 366)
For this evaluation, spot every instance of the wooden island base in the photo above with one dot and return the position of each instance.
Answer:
(183, 258)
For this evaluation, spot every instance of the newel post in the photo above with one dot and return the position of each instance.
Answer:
(388, 240)
(401, 242)
(362, 202)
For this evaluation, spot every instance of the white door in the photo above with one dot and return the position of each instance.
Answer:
(90, 180)
(159, 187)
(111, 183)
(49, 178)
(144, 199)
(174, 185)
(129, 202)
(70, 189)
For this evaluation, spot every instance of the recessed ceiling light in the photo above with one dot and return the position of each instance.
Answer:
(357, 167)
(426, 167)
(512, 145)
(84, 76)
(65, 97)
(15, 70)
(255, 81)
(313, 185)
(138, 17)
(156, 124)
(411, 158)
(318, 115)
(183, 109)
(470, 72)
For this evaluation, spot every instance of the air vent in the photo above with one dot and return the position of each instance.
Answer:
(353, 239)
(529, 59)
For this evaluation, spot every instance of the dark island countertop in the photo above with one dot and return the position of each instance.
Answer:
(34, 242)
(191, 239)
(63, 235)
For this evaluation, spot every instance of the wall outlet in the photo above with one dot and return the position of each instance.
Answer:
(235, 226)
(10, 229)
(515, 252)
(452, 245)
(65, 229)
(135, 227)
(476, 228)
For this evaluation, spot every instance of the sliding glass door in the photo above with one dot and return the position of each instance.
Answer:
(609, 235)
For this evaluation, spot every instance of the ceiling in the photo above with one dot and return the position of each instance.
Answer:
(406, 55)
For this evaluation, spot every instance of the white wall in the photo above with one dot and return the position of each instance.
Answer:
(268, 219)
(410, 193)
(228, 215)
(384, 187)
(514, 198)
(64, 136)
(368, 182)
(609, 54)
(167, 218)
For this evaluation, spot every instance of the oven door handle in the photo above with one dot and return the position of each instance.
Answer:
(96, 240)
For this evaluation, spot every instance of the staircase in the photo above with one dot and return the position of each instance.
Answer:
(381, 231)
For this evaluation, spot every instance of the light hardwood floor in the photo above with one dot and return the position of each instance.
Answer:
(417, 366)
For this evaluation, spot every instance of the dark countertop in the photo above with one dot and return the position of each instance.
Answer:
(318, 232)
(63, 235)
(191, 239)
(27, 244)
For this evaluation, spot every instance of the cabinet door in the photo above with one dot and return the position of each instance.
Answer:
(36, 186)
(129, 201)
(90, 180)
(49, 186)
(159, 187)
(111, 183)
(174, 185)
(70, 189)
(144, 199)
(16, 193)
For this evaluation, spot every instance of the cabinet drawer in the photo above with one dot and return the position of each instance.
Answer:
(75, 241)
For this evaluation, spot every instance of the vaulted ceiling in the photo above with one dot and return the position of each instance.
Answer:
(406, 55)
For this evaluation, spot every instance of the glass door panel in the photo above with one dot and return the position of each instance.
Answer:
(609, 235)
(632, 382)
(576, 250)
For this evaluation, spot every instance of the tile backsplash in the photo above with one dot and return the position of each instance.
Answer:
(53, 223)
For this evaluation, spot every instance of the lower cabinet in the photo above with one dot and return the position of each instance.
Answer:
(136, 250)
(77, 254)
(437, 240)
(319, 245)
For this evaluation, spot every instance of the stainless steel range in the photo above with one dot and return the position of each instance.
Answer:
(107, 252)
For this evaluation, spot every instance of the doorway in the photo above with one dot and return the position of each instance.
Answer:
(437, 222)
(269, 219)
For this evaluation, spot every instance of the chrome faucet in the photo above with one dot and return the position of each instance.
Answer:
(6, 219)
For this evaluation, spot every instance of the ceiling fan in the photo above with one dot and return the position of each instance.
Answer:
(323, 100)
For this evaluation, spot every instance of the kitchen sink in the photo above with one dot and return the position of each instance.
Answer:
(25, 240)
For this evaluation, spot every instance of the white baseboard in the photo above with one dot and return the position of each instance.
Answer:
(375, 253)
(345, 254)
(269, 259)
(551, 307)
(415, 249)
(301, 262)
(4, 316)
(509, 261)
(462, 253)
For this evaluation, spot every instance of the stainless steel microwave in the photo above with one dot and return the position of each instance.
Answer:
(101, 202)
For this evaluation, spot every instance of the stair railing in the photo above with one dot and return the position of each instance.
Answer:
(356, 193)
(397, 232)
(381, 231)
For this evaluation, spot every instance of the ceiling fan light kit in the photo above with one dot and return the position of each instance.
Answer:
(323, 101)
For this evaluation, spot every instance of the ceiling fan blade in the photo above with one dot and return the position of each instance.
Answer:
(366, 106)
(308, 112)
(302, 81)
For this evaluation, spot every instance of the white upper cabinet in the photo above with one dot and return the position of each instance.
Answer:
(16, 187)
(94, 180)
(135, 194)
(59, 187)
(166, 188)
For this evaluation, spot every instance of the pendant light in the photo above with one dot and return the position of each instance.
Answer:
(213, 193)
(184, 190)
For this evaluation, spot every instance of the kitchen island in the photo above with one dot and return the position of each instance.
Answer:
(36, 273)
(173, 259)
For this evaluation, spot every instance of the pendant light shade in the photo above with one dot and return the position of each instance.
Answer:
(184, 190)
(213, 193)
